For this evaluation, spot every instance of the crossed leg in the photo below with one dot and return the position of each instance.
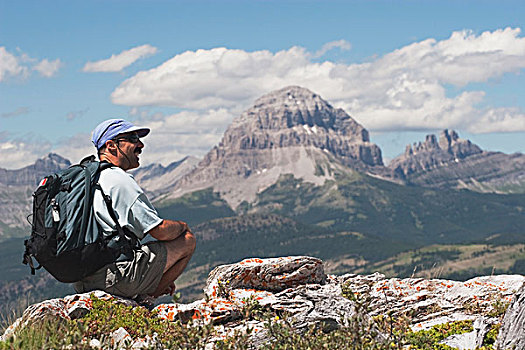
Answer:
(179, 254)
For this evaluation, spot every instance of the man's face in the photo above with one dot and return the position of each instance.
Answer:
(130, 148)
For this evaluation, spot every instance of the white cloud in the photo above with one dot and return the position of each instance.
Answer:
(402, 90)
(340, 44)
(185, 133)
(9, 65)
(117, 63)
(12, 65)
(15, 154)
(48, 68)
(506, 119)
(76, 147)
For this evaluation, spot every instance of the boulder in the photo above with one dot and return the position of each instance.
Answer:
(69, 308)
(512, 332)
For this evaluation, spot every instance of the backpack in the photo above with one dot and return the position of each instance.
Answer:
(65, 237)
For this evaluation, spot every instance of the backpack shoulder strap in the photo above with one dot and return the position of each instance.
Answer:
(109, 204)
(87, 159)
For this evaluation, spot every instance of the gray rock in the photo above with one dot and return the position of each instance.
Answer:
(471, 340)
(120, 339)
(512, 332)
(272, 274)
(422, 157)
(154, 178)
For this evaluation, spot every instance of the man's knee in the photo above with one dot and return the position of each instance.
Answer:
(183, 244)
(191, 242)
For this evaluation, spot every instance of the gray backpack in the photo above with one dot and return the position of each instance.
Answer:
(65, 236)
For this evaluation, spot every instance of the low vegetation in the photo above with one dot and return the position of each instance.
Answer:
(360, 332)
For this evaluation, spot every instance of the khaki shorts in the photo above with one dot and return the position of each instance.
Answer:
(129, 278)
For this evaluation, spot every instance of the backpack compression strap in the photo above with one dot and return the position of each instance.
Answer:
(28, 260)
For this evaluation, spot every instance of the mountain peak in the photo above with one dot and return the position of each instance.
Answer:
(295, 116)
(449, 143)
(289, 107)
(52, 162)
(290, 96)
(287, 131)
(32, 174)
(434, 152)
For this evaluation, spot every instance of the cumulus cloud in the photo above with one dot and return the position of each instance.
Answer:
(172, 137)
(48, 68)
(76, 147)
(402, 90)
(117, 63)
(185, 133)
(18, 153)
(12, 65)
(340, 44)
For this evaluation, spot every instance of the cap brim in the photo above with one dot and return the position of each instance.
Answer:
(139, 130)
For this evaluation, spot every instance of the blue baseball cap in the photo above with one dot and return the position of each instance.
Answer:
(111, 128)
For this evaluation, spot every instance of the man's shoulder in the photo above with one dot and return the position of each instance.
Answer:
(115, 176)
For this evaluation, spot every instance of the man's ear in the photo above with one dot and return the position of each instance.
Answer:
(111, 147)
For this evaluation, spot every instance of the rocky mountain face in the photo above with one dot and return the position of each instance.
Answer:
(425, 156)
(32, 174)
(451, 162)
(289, 131)
(16, 187)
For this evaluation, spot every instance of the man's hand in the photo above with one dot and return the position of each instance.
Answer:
(184, 227)
(171, 289)
(169, 230)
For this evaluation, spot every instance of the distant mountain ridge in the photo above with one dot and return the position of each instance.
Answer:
(32, 174)
(452, 162)
(155, 177)
(432, 153)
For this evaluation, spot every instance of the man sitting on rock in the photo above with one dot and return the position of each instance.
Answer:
(151, 268)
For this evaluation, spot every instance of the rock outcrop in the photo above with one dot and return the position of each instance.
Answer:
(289, 131)
(512, 334)
(299, 287)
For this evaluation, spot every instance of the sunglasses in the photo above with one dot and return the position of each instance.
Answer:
(133, 138)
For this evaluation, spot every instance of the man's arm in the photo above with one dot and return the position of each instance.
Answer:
(168, 230)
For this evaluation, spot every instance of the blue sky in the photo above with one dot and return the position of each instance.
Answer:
(402, 69)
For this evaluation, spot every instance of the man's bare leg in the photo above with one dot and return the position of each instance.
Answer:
(179, 254)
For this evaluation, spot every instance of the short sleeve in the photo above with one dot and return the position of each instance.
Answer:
(142, 216)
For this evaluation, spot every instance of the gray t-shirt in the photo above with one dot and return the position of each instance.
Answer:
(132, 207)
